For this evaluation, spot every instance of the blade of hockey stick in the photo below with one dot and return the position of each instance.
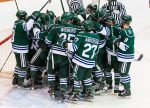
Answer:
(140, 57)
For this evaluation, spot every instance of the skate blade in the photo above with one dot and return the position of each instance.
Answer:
(14, 86)
(36, 87)
(32, 88)
(71, 101)
(124, 97)
(88, 100)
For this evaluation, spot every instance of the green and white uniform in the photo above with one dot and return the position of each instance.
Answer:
(125, 55)
(58, 55)
(20, 46)
(112, 62)
(39, 60)
(85, 48)
(98, 73)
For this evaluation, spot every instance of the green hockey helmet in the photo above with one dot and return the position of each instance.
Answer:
(51, 13)
(99, 14)
(45, 17)
(58, 20)
(110, 18)
(21, 14)
(79, 10)
(92, 6)
(126, 19)
(88, 25)
(66, 17)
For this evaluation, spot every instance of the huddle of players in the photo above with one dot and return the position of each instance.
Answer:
(78, 51)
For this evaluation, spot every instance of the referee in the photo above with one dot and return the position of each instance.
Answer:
(117, 9)
(74, 4)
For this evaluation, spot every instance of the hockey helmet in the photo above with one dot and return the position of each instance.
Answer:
(126, 19)
(92, 6)
(111, 18)
(45, 17)
(99, 14)
(66, 17)
(58, 20)
(51, 13)
(79, 11)
(21, 14)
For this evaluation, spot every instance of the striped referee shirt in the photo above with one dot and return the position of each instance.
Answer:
(117, 10)
(74, 4)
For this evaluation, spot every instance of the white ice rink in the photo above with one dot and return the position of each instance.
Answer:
(140, 71)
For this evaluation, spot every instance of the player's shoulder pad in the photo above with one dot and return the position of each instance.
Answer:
(129, 32)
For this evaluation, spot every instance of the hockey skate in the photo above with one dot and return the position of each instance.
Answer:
(59, 97)
(116, 88)
(23, 84)
(88, 96)
(15, 81)
(32, 84)
(72, 98)
(51, 93)
(124, 93)
(98, 88)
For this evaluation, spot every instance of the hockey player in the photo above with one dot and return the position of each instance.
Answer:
(112, 62)
(74, 4)
(117, 9)
(79, 16)
(20, 44)
(85, 48)
(125, 54)
(39, 60)
(58, 57)
(90, 10)
(52, 16)
(97, 71)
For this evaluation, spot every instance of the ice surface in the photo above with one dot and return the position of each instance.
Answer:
(140, 71)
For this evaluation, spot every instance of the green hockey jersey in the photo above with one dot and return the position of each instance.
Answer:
(98, 28)
(85, 47)
(114, 33)
(67, 32)
(20, 42)
(125, 51)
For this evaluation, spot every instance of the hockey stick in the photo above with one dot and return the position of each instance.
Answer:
(62, 6)
(98, 5)
(6, 61)
(52, 58)
(49, 1)
(139, 58)
(16, 5)
(75, 73)
(68, 5)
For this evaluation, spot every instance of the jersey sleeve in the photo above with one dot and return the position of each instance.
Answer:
(76, 44)
(50, 37)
